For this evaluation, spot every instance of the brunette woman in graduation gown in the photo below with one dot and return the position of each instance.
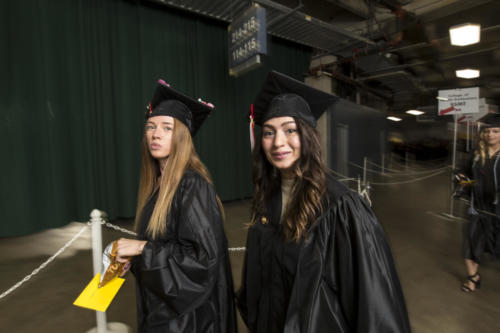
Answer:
(317, 259)
(482, 233)
(180, 257)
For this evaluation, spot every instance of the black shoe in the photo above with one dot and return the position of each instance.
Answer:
(476, 283)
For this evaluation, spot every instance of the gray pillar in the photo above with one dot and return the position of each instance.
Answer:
(324, 83)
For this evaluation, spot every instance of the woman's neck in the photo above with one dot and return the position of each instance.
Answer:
(161, 163)
(287, 181)
(287, 174)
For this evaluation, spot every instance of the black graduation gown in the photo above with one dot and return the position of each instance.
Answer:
(184, 281)
(482, 233)
(344, 279)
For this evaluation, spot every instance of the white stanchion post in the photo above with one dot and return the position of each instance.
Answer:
(467, 142)
(95, 218)
(453, 162)
(364, 171)
(368, 198)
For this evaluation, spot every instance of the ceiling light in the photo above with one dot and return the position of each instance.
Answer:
(415, 112)
(394, 118)
(441, 98)
(465, 34)
(467, 73)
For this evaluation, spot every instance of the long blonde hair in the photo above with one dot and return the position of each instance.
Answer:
(182, 156)
(481, 152)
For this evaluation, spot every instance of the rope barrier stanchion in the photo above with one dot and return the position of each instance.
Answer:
(365, 193)
(480, 211)
(364, 171)
(453, 160)
(400, 173)
(345, 178)
(95, 223)
(421, 172)
(43, 265)
(403, 172)
(115, 227)
(411, 180)
(95, 220)
(402, 160)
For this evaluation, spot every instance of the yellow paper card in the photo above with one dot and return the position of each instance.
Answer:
(95, 298)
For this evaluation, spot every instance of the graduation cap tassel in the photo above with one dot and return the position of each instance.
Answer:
(252, 124)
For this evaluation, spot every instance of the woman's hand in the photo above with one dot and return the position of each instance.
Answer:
(126, 248)
(125, 268)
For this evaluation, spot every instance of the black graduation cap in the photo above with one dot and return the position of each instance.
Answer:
(490, 120)
(167, 101)
(283, 96)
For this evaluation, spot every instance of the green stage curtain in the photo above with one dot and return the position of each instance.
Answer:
(76, 76)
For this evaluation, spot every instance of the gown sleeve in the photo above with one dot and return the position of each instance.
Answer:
(241, 294)
(182, 268)
(366, 280)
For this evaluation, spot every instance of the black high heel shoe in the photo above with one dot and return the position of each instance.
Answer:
(476, 283)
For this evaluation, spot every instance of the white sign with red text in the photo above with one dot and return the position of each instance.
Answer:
(483, 110)
(458, 101)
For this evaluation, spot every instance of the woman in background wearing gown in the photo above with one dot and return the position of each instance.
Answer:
(482, 234)
(317, 259)
(180, 257)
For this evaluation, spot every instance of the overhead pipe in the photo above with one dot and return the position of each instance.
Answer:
(341, 77)
(384, 47)
(414, 81)
(421, 63)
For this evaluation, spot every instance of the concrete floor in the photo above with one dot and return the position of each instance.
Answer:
(426, 248)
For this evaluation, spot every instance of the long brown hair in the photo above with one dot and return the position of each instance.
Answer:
(182, 156)
(307, 197)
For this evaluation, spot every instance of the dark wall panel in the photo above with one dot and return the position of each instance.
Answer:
(366, 135)
(75, 79)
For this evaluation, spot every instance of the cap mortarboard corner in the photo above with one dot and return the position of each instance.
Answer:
(167, 101)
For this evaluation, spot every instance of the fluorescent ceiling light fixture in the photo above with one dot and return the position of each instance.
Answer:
(441, 98)
(394, 118)
(465, 34)
(467, 73)
(415, 112)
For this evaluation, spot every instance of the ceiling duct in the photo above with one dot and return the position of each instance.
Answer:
(287, 23)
